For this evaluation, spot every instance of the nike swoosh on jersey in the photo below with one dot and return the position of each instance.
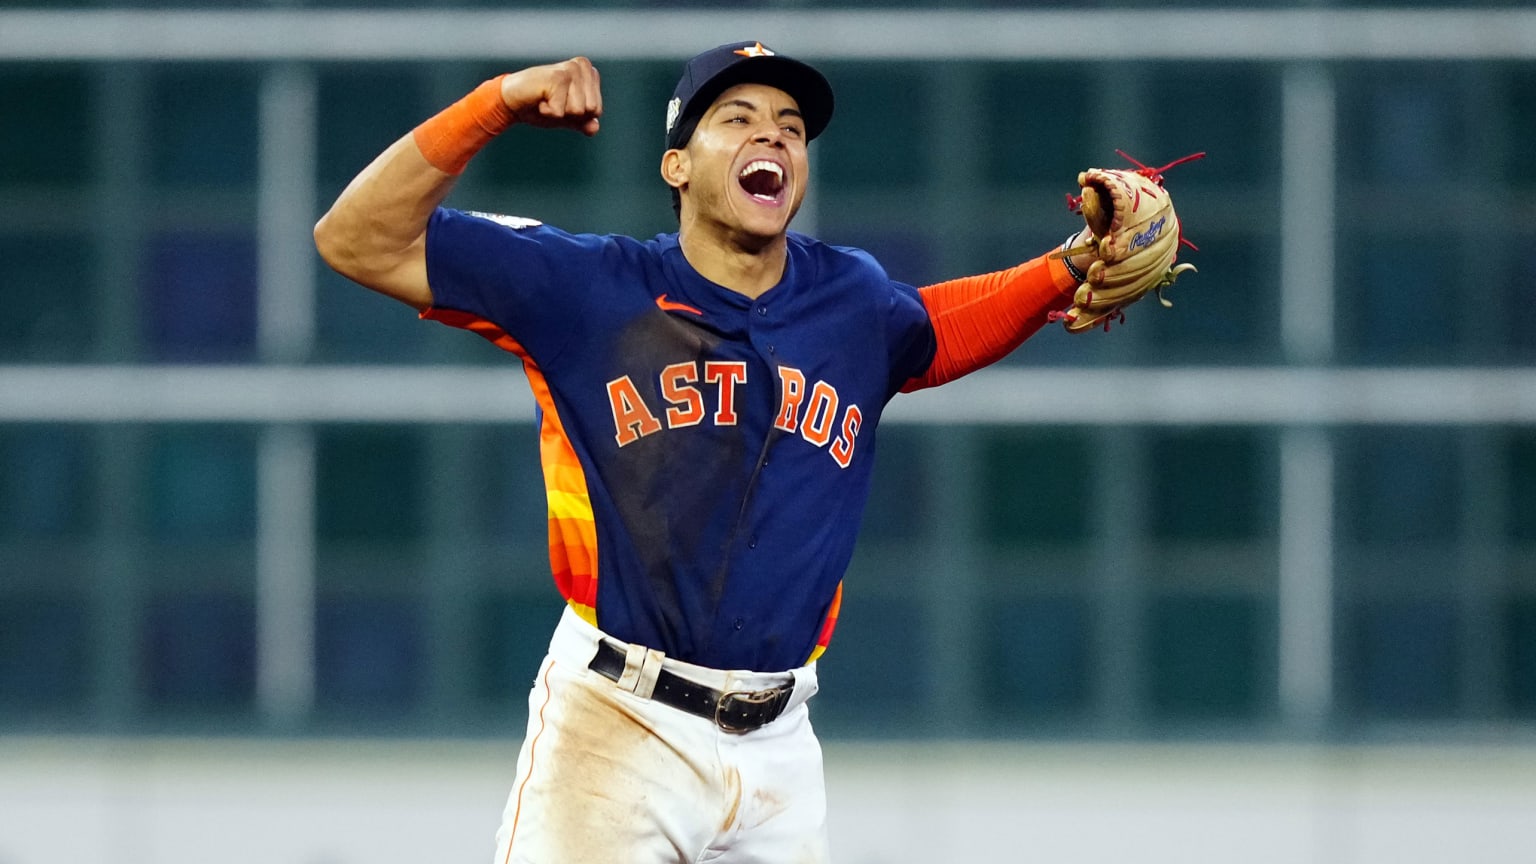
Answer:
(666, 305)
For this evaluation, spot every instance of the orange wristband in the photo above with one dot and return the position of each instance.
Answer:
(456, 133)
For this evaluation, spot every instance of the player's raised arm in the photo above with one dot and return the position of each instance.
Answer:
(375, 232)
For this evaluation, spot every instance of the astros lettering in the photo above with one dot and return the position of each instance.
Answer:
(812, 409)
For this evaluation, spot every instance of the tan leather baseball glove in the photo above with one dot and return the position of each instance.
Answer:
(1136, 239)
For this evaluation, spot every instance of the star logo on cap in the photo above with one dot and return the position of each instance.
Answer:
(756, 50)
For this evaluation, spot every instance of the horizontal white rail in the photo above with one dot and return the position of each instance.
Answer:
(1087, 35)
(459, 394)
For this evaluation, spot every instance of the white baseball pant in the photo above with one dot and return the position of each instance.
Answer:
(608, 775)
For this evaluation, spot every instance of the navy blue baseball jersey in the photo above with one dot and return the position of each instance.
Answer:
(707, 456)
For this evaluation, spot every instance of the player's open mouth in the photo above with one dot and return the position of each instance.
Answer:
(763, 180)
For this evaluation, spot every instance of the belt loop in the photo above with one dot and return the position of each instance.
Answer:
(634, 659)
(650, 668)
(641, 667)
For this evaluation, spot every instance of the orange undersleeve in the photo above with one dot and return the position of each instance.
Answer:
(454, 135)
(977, 320)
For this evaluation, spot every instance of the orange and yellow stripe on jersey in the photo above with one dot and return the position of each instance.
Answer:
(572, 528)
(828, 624)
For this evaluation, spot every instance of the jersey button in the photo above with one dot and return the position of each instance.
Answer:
(762, 310)
(738, 624)
(752, 543)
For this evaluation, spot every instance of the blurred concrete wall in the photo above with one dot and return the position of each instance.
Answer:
(100, 801)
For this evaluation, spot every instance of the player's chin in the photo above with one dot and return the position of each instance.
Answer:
(766, 217)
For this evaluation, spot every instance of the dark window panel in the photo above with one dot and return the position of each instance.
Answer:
(1030, 138)
(1034, 489)
(58, 4)
(353, 324)
(1229, 310)
(200, 298)
(1401, 660)
(1157, 5)
(879, 139)
(200, 652)
(1383, 272)
(864, 691)
(202, 485)
(202, 129)
(1400, 486)
(1228, 111)
(1521, 474)
(1205, 657)
(1036, 655)
(355, 125)
(528, 157)
(1515, 281)
(1407, 125)
(1520, 655)
(370, 484)
(1520, 115)
(900, 501)
(45, 647)
(1206, 485)
(48, 117)
(45, 485)
(369, 654)
(512, 506)
(46, 288)
(184, 4)
(512, 637)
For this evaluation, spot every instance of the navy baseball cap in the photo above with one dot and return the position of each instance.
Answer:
(717, 70)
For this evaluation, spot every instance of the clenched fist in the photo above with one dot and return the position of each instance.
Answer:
(557, 96)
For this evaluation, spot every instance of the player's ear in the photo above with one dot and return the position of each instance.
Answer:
(674, 168)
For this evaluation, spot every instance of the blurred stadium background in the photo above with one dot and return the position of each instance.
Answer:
(1252, 579)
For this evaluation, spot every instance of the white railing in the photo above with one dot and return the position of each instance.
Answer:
(1190, 34)
(1251, 396)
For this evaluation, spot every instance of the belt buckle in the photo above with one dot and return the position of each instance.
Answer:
(749, 697)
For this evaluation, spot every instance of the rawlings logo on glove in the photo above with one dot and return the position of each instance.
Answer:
(1136, 238)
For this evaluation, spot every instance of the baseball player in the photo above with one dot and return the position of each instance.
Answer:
(708, 407)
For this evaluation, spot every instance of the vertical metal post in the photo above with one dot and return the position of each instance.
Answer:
(1306, 584)
(1306, 537)
(285, 525)
(285, 574)
(1307, 221)
(1120, 647)
(285, 212)
(952, 653)
(119, 99)
(953, 585)
(1483, 562)
(1118, 567)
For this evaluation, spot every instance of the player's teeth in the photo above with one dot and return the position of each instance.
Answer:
(763, 165)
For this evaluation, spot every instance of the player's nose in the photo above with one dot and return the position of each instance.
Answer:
(769, 134)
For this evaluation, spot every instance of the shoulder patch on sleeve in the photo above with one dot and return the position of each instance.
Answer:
(509, 221)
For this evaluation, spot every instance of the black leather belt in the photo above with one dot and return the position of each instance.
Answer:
(733, 711)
